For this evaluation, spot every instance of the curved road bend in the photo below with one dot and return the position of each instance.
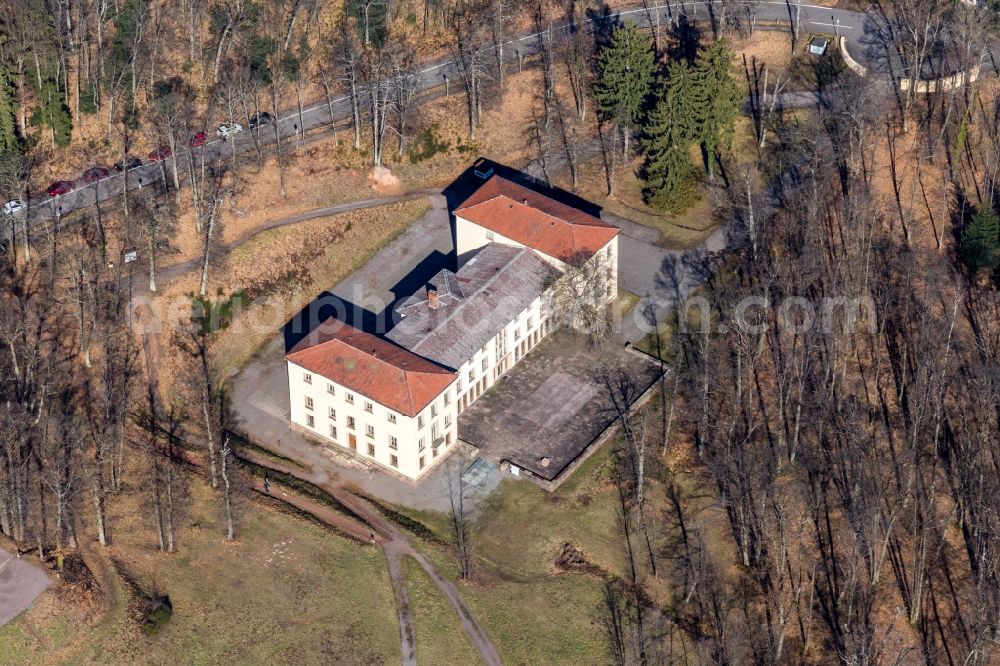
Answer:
(813, 18)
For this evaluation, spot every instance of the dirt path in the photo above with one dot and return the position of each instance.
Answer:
(174, 271)
(397, 547)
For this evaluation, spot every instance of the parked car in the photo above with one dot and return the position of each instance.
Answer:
(127, 163)
(161, 153)
(13, 207)
(94, 174)
(229, 129)
(60, 187)
(199, 139)
(260, 118)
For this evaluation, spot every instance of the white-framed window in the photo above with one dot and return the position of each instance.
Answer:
(307, 377)
(333, 414)
(489, 235)
(368, 407)
(447, 398)
(458, 386)
(391, 417)
(421, 462)
(393, 442)
(447, 420)
(349, 398)
(310, 421)
(485, 363)
(434, 431)
(531, 321)
(350, 423)
(394, 461)
(309, 402)
(434, 410)
(371, 449)
(370, 430)
(421, 444)
(330, 389)
(333, 431)
(420, 421)
(472, 375)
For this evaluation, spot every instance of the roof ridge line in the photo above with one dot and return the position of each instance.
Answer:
(520, 251)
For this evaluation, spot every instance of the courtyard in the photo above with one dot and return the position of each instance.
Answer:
(544, 415)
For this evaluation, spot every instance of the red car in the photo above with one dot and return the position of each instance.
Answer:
(199, 139)
(60, 187)
(161, 153)
(94, 174)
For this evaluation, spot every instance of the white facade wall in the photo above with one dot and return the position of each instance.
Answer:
(505, 350)
(414, 436)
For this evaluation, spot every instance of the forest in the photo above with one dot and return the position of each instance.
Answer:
(818, 477)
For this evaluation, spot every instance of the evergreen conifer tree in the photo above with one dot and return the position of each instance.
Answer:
(715, 98)
(626, 70)
(669, 181)
(981, 241)
(8, 124)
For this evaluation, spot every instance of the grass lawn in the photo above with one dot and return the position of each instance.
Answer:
(533, 612)
(287, 591)
(440, 638)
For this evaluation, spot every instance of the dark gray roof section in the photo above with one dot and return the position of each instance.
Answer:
(473, 305)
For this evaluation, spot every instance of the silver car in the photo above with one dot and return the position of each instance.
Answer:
(228, 129)
(13, 207)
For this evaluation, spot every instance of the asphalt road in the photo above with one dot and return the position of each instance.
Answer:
(42, 209)
(20, 585)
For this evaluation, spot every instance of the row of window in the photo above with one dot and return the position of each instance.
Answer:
(348, 398)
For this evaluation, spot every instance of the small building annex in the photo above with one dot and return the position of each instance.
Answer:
(395, 400)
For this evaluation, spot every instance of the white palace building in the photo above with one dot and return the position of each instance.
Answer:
(396, 399)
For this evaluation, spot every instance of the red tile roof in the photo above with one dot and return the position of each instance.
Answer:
(377, 369)
(535, 220)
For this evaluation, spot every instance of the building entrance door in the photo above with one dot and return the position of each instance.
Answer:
(352, 441)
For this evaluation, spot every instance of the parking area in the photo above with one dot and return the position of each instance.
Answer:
(545, 413)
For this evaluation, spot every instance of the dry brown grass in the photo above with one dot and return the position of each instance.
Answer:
(283, 269)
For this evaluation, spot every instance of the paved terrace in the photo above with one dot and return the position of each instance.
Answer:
(547, 411)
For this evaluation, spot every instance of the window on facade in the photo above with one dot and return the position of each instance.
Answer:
(472, 375)
(517, 333)
(333, 414)
(393, 443)
(489, 236)
(310, 421)
(368, 407)
(329, 389)
(434, 410)
(307, 377)
(447, 420)
(447, 398)
(371, 449)
(531, 322)
(349, 398)
(391, 417)
(485, 363)
(421, 462)
(434, 431)
(370, 430)
(394, 461)
(350, 422)
(333, 432)
(458, 385)
(420, 420)
(309, 402)
(421, 445)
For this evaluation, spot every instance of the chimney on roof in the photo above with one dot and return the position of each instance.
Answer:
(433, 302)
(525, 202)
